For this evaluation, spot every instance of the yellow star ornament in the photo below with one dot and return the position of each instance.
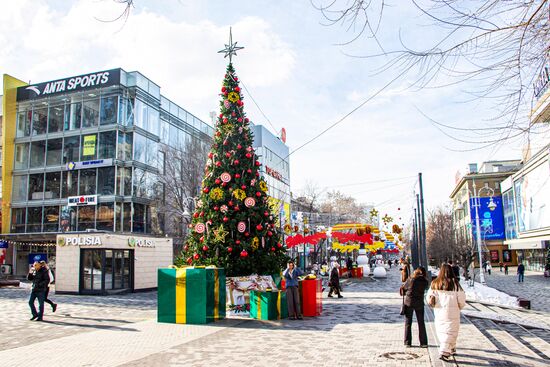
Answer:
(220, 234)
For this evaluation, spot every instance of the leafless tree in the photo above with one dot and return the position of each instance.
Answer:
(443, 242)
(495, 47)
(343, 208)
(179, 184)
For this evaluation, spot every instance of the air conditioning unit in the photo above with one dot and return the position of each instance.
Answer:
(5, 269)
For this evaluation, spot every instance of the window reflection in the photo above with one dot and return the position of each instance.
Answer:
(107, 143)
(34, 219)
(90, 115)
(87, 182)
(36, 186)
(105, 217)
(106, 181)
(38, 152)
(18, 220)
(54, 152)
(68, 219)
(39, 120)
(53, 185)
(20, 188)
(108, 110)
(51, 218)
(75, 111)
(71, 149)
(86, 217)
(70, 183)
(24, 123)
(56, 118)
(22, 156)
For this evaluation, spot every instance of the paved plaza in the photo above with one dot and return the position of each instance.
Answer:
(535, 287)
(362, 329)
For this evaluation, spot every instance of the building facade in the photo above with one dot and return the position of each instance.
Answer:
(275, 168)
(483, 187)
(83, 154)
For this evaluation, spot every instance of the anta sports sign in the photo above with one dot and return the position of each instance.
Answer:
(72, 84)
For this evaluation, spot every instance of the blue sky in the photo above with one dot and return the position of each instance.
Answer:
(292, 66)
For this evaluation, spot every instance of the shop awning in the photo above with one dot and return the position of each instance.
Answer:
(527, 243)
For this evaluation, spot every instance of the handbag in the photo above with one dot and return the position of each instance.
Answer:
(432, 300)
(403, 307)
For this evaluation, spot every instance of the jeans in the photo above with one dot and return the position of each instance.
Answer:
(520, 278)
(293, 301)
(41, 297)
(423, 337)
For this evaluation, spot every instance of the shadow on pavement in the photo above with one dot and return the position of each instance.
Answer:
(91, 326)
(498, 359)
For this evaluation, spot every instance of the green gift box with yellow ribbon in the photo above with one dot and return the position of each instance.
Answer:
(268, 305)
(191, 295)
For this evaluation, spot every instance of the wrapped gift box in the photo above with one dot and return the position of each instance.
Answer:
(357, 272)
(311, 297)
(268, 305)
(191, 295)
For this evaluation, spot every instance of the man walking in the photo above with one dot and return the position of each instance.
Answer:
(505, 269)
(334, 281)
(349, 265)
(40, 281)
(521, 272)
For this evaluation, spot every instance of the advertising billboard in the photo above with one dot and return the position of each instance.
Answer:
(491, 221)
(532, 193)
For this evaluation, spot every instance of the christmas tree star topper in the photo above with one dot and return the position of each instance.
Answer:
(231, 48)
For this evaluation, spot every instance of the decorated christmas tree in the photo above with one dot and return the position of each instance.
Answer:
(233, 225)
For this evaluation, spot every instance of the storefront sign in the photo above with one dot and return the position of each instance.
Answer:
(3, 244)
(494, 256)
(491, 221)
(140, 242)
(273, 173)
(83, 200)
(79, 241)
(37, 258)
(71, 84)
(88, 145)
(71, 166)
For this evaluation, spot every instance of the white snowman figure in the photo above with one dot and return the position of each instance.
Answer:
(380, 270)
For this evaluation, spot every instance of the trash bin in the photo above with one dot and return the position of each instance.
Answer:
(524, 303)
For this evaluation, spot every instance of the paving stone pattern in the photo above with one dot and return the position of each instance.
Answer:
(362, 329)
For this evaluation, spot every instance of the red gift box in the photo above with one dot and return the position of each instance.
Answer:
(357, 272)
(311, 297)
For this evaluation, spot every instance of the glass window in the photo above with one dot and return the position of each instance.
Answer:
(75, 113)
(90, 115)
(118, 217)
(24, 123)
(36, 186)
(164, 126)
(18, 220)
(86, 217)
(141, 114)
(124, 146)
(69, 185)
(151, 153)
(89, 147)
(127, 181)
(153, 121)
(107, 144)
(71, 149)
(105, 217)
(108, 110)
(54, 152)
(38, 152)
(162, 162)
(106, 181)
(139, 218)
(68, 219)
(34, 219)
(126, 111)
(20, 188)
(51, 218)
(22, 156)
(56, 119)
(39, 120)
(140, 147)
(173, 138)
(139, 182)
(148, 218)
(87, 182)
(127, 217)
(53, 185)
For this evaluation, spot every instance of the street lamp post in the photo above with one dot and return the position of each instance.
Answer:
(476, 205)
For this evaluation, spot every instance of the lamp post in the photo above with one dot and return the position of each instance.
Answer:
(477, 204)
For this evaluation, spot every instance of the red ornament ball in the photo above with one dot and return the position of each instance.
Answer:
(223, 89)
(259, 227)
(257, 163)
(195, 215)
(243, 187)
(248, 155)
(257, 174)
(189, 260)
(239, 146)
(279, 245)
(225, 219)
(206, 190)
(196, 256)
(249, 171)
(205, 248)
(230, 203)
(218, 164)
(244, 253)
(237, 175)
(228, 154)
(210, 155)
(201, 239)
(185, 248)
(258, 194)
(230, 249)
(246, 119)
(224, 184)
(273, 249)
(240, 119)
(237, 89)
(236, 161)
(216, 208)
(218, 181)
(246, 234)
(266, 214)
(233, 114)
(238, 242)
(236, 208)
(269, 233)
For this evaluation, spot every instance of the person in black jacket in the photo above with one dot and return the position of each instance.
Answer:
(413, 290)
(334, 281)
(40, 282)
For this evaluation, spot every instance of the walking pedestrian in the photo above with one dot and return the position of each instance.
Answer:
(414, 289)
(521, 272)
(349, 265)
(456, 269)
(447, 298)
(484, 266)
(505, 269)
(489, 267)
(396, 262)
(40, 280)
(291, 275)
(389, 263)
(500, 265)
(50, 274)
(334, 282)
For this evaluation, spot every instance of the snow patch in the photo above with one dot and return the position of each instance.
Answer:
(483, 293)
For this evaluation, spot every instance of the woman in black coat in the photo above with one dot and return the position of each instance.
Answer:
(413, 290)
(334, 281)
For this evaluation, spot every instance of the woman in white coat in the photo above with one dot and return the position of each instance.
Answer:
(447, 298)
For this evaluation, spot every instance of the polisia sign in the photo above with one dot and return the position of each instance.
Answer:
(72, 84)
